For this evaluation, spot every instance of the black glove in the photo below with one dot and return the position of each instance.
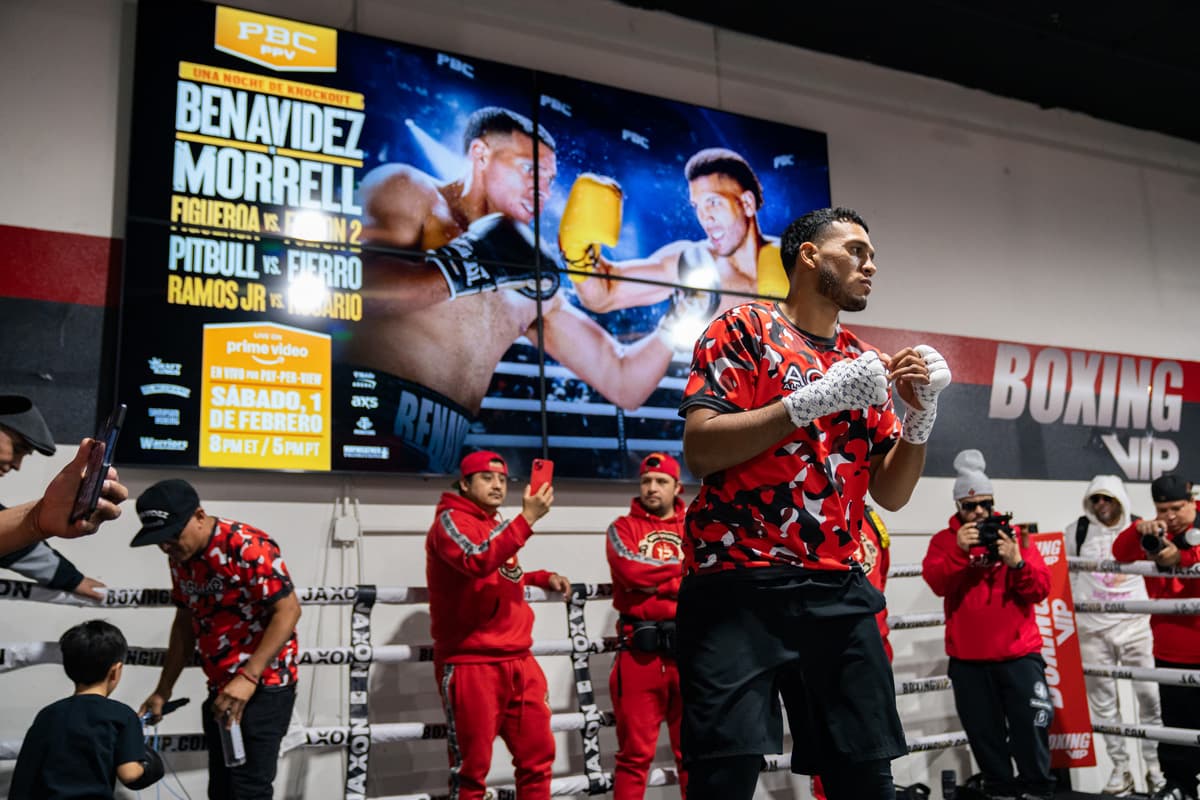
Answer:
(496, 252)
(696, 301)
(152, 770)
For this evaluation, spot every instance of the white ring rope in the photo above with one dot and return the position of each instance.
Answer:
(18, 655)
(1174, 677)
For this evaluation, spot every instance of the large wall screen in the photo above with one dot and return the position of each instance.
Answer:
(344, 253)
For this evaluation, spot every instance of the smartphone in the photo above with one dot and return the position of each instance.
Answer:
(99, 460)
(542, 473)
(168, 707)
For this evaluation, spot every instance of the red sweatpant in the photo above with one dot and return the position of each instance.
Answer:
(500, 698)
(645, 694)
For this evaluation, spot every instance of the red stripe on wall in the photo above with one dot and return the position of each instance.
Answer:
(59, 267)
(973, 360)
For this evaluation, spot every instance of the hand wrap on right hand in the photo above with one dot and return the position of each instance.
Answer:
(847, 385)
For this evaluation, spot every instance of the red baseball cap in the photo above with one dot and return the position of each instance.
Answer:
(660, 462)
(481, 461)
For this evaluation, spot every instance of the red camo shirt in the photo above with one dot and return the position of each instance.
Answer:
(875, 555)
(230, 587)
(801, 502)
(989, 608)
(645, 551)
(477, 607)
(1176, 636)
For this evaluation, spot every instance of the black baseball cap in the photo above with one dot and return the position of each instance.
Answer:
(1169, 488)
(20, 415)
(164, 510)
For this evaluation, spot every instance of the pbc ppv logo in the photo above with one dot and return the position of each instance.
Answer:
(280, 44)
(364, 427)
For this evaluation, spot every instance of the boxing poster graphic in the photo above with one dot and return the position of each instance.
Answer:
(351, 254)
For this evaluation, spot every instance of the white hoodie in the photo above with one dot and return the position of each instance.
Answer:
(1099, 587)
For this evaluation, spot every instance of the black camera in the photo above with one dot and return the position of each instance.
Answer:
(1153, 543)
(990, 529)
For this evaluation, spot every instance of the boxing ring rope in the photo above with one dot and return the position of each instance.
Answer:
(361, 654)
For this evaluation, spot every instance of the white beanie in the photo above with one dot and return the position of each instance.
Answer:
(971, 480)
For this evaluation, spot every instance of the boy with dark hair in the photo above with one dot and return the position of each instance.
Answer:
(79, 746)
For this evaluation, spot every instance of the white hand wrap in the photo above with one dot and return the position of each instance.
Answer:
(918, 423)
(847, 385)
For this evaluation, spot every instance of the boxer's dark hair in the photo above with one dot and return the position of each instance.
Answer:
(810, 228)
(90, 649)
(722, 161)
(494, 119)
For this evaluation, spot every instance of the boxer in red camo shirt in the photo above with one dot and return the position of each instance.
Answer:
(789, 421)
(1176, 636)
(490, 683)
(645, 554)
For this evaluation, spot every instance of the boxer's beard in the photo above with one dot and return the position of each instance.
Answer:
(829, 286)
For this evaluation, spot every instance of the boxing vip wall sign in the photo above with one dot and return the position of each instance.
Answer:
(1055, 413)
(493, 256)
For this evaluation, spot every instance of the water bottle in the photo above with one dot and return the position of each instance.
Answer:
(232, 745)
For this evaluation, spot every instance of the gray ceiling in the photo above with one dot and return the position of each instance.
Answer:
(1134, 64)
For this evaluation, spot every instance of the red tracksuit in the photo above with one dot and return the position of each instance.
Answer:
(989, 609)
(645, 553)
(1176, 636)
(482, 631)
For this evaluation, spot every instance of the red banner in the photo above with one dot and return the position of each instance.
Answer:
(1071, 731)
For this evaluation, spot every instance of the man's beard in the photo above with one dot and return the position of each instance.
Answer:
(655, 506)
(829, 286)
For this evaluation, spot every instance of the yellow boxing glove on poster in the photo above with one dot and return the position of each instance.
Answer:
(772, 278)
(591, 218)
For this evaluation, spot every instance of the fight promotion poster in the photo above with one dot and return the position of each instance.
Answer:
(345, 253)
(1055, 413)
(1071, 742)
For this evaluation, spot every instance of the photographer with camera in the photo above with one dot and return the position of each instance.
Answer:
(1169, 541)
(990, 577)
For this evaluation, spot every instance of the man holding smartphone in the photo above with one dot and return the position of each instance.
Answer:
(237, 607)
(23, 432)
(645, 554)
(482, 627)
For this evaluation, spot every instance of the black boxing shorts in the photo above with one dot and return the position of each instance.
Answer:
(807, 636)
(382, 422)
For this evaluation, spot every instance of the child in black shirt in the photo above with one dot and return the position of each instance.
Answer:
(79, 746)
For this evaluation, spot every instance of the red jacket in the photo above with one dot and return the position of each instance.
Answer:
(646, 551)
(476, 586)
(989, 608)
(1176, 636)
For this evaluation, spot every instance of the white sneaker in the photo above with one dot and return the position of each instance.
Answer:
(1120, 782)
(1154, 781)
